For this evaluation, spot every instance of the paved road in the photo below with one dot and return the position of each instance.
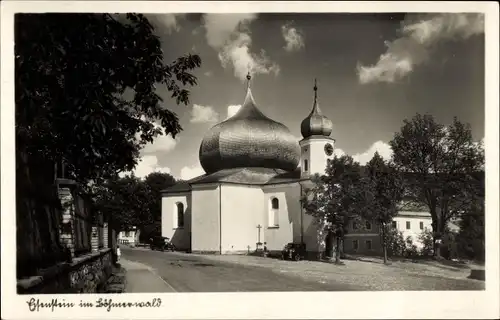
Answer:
(184, 273)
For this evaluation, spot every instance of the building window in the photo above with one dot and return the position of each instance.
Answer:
(355, 244)
(306, 165)
(368, 244)
(274, 212)
(179, 221)
(368, 225)
(421, 225)
(408, 225)
(394, 225)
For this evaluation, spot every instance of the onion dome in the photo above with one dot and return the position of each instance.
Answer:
(316, 124)
(249, 139)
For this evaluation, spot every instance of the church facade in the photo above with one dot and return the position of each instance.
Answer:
(250, 193)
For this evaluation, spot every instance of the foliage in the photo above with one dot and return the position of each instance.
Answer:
(471, 237)
(73, 75)
(385, 193)
(440, 163)
(131, 201)
(426, 238)
(337, 197)
(395, 242)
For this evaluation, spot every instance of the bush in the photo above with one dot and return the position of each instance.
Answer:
(427, 241)
(395, 243)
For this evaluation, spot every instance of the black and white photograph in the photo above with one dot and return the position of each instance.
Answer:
(156, 149)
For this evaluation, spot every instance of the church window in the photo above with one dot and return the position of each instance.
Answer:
(179, 222)
(306, 164)
(274, 212)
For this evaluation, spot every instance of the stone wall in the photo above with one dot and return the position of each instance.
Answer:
(85, 274)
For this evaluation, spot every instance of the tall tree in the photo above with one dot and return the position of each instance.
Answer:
(126, 201)
(336, 198)
(471, 236)
(386, 191)
(439, 163)
(86, 91)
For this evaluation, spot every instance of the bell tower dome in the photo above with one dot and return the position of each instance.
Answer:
(317, 147)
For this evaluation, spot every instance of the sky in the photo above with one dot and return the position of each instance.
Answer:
(373, 71)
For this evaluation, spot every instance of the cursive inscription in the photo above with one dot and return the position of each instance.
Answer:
(36, 305)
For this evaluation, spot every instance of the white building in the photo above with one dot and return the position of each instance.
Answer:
(130, 236)
(251, 191)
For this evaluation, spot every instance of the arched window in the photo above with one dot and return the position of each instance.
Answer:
(306, 165)
(180, 215)
(274, 212)
(275, 203)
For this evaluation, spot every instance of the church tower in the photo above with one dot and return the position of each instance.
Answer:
(317, 146)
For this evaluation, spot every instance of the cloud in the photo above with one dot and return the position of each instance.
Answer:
(169, 21)
(232, 109)
(208, 74)
(162, 143)
(383, 149)
(148, 164)
(419, 37)
(191, 172)
(293, 38)
(229, 35)
(203, 114)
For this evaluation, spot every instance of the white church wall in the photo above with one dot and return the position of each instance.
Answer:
(289, 229)
(179, 234)
(205, 219)
(242, 208)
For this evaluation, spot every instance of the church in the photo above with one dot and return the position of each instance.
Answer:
(255, 173)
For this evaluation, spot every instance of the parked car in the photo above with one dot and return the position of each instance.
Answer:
(294, 251)
(162, 244)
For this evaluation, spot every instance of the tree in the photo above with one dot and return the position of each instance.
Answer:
(471, 236)
(157, 181)
(126, 201)
(439, 163)
(85, 91)
(336, 198)
(386, 191)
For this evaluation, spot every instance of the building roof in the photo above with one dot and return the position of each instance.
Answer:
(249, 139)
(244, 176)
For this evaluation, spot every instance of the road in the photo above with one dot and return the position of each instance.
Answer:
(184, 273)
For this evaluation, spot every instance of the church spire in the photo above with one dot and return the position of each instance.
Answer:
(316, 124)
(315, 109)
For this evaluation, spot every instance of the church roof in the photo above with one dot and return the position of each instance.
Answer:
(245, 176)
(249, 139)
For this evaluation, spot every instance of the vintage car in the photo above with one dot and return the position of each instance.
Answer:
(162, 244)
(294, 251)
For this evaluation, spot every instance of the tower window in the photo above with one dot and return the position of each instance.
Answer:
(306, 165)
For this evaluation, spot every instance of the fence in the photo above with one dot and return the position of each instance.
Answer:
(43, 238)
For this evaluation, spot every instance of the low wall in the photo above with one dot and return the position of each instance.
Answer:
(85, 274)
